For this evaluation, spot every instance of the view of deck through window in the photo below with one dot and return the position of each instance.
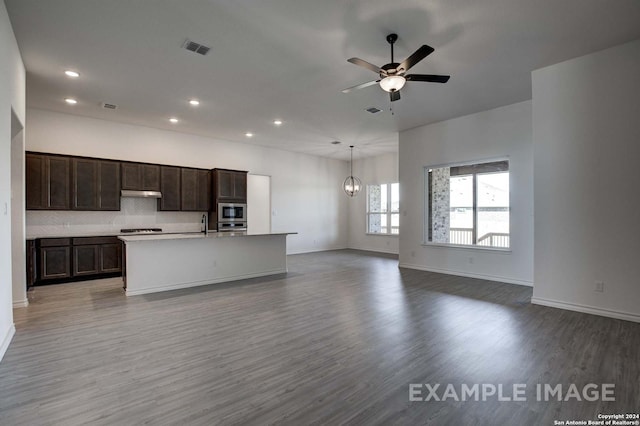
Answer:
(468, 205)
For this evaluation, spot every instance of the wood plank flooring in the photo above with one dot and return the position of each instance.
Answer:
(336, 341)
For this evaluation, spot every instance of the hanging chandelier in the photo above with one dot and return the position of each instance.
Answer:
(352, 184)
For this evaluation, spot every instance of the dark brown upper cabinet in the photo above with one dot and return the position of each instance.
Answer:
(48, 182)
(170, 187)
(230, 186)
(140, 177)
(96, 184)
(196, 190)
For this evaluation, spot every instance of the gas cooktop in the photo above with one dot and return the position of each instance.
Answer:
(141, 231)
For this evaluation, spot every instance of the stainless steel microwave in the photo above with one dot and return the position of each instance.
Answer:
(232, 212)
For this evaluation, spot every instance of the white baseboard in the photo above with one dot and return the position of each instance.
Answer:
(316, 250)
(467, 274)
(6, 340)
(21, 303)
(627, 316)
(375, 250)
(205, 282)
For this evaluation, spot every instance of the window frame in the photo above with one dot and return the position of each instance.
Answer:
(389, 212)
(427, 226)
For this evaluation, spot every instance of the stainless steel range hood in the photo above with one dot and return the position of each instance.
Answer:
(140, 194)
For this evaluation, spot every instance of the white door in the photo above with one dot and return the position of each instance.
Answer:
(258, 203)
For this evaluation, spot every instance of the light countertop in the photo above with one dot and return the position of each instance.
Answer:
(199, 235)
(76, 234)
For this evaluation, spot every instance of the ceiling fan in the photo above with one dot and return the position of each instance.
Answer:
(393, 75)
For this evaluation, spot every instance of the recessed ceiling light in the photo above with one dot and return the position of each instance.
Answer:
(70, 101)
(72, 74)
(277, 122)
(194, 102)
(173, 120)
(249, 134)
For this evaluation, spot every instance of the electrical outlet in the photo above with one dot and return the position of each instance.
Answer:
(600, 286)
(471, 260)
(413, 254)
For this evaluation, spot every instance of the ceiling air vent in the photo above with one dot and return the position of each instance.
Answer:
(373, 110)
(196, 47)
(109, 106)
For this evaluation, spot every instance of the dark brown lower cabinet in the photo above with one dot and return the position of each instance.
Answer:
(110, 256)
(32, 273)
(85, 260)
(63, 259)
(54, 258)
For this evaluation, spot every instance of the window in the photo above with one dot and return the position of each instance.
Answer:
(383, 208)
(468, 204)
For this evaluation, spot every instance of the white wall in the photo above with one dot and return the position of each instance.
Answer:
(306, 196)
(12, 96)
(18, 244)
(586, 121)
(501, 132)
(371, 170)
(259, 200)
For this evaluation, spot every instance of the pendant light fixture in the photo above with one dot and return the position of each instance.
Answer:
(352, 184)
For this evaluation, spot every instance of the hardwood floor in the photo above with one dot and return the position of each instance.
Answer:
(337, 340)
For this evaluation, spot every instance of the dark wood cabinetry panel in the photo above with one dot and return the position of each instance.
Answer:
(47, 182)
(240, 186)
(64, 259)
(170, 188)
(57, 175)
(225, 184)
(96, 184)
(34, 181)
(196, 188)
(140, 177)
(32, 274)
(111, 257)
(109, 186)
(85, 184)
(55, 262)
(150, 177)
(203, 195)
(189, 188)
(85, 260)
(230, 186)
(131, 176)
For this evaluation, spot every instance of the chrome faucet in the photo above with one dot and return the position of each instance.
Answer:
(205, 223)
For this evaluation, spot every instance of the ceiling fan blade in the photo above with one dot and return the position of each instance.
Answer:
(427, 77)
(394, 96)
(360, 86)
(365, 64)
(416, 57)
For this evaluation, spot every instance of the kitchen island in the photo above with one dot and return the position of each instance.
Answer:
(155, 263)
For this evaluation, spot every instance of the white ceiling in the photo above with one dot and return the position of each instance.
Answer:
(287, 59)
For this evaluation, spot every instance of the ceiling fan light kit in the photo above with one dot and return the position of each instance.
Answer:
(393, 75)
(392, 83)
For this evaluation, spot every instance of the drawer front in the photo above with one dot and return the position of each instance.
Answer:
(54, 242)
(88, 241)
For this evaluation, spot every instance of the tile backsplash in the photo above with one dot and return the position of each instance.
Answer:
(134, 213)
